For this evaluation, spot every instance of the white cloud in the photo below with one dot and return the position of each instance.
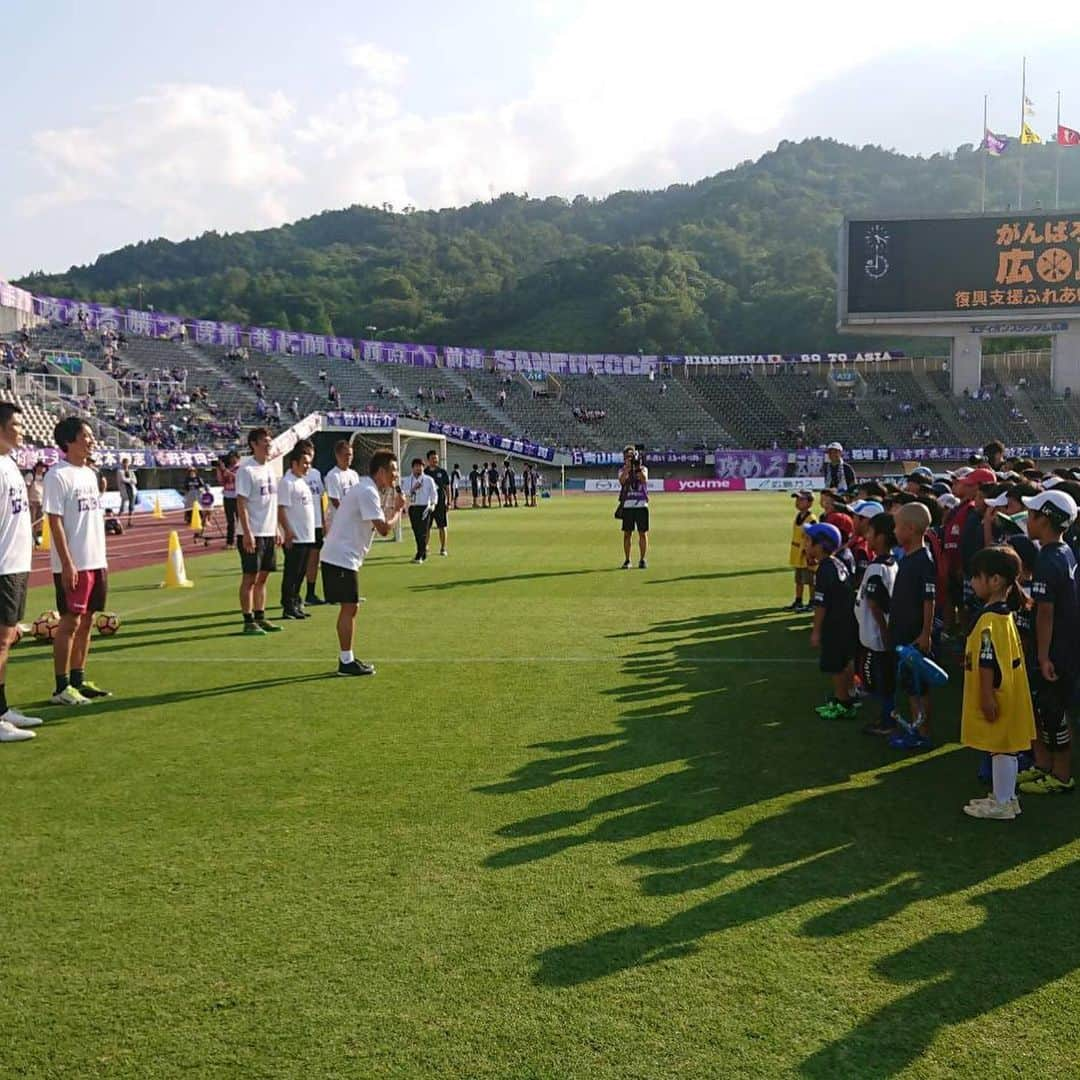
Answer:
(193, 156)
(378, 64)
(629, 94)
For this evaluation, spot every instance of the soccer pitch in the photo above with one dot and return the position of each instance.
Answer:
(582, 823)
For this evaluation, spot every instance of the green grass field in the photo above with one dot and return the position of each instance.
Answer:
(583, 823)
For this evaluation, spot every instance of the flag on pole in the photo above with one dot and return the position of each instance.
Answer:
(1066, 136)
(1029, 106)
(994, 144)
(1027, 136)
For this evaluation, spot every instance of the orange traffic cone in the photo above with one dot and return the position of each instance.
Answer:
(196, 519)
(175, 574)
(46, 534)
(156, 512)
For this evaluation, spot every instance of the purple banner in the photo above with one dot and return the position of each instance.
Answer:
(11, 296)
(750, 464)
(494, 442)
(755, 359)
(361, 420)
(290, 342)
(396, 352)
(26, 457)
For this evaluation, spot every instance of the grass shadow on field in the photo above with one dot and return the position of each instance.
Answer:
(802, 816)
(456, 584)
(720, 575)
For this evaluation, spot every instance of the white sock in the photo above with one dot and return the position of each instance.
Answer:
(1004, 768)
(347, 658)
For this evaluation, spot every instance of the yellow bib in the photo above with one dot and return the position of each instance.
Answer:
(797, 558)
(994, 641)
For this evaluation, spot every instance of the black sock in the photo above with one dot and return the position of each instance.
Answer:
(311, 590)
(77, 675)
(3, 700)
(259, 616)
(248, 617)
(62, 683)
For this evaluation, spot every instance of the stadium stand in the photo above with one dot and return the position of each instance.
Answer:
(170, 393)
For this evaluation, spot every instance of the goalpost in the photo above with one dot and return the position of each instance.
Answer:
(405, 443)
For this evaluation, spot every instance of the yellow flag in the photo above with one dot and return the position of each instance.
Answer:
(1028, 136)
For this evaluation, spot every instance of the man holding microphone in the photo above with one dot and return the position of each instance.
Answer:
(421, 495)
(359, 516)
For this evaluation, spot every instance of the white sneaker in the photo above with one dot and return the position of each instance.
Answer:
(69, 696)
(992, 809)
(1014, 802)
(16, 719)
(10, 733)
(444, 553)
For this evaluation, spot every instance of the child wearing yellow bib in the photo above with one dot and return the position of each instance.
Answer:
(997, 713)
(799, 556)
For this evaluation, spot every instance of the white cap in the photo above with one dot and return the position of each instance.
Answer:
(959, 474)
(1058, 506)
(1051, 481)
(1001, 500)
(835, 446)
(948, 502)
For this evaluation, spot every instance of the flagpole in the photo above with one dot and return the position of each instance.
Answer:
(985, 150)
(1023, 120)
(1057, 157)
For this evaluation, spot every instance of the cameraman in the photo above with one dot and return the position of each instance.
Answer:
(634, 504)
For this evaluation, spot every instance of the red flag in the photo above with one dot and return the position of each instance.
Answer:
(1068, 137)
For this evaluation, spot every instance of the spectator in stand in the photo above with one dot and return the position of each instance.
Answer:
(839, 475)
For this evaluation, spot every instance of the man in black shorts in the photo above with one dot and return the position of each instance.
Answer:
(256, 511)
(16, 551)
(493, 483)
(474, 483)
(358, 517)
(442, 486)
(634, 500)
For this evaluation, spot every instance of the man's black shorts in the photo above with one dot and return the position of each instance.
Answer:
(13, 598)
(262, 560)
(438, 516)
(635, 517)
(340, 586)
(318, 539)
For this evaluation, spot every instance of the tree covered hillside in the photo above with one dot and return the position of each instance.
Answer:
(741, 261)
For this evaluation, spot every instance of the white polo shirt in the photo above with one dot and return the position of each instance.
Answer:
(16, 539)
(295, 498)
(257, 484)
(71, 493)
(354, 526)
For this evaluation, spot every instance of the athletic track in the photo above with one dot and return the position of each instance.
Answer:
(146, 543)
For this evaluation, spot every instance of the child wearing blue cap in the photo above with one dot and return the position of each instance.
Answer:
(835, 633)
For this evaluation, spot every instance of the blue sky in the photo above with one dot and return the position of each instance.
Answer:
(129, 121)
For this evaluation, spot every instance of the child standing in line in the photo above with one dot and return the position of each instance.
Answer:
(872, 612)
(798, 558)
(835, 631)
(911, 619)
(997, 714)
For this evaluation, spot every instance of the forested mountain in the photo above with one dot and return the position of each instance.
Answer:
(741, 261)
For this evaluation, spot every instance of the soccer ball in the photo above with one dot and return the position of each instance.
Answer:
(20, 630)
(46, 625)
(106, 623)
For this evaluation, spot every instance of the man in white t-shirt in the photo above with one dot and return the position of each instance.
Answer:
(296, 516)
(359, 516)
(16, 551)
(72, 501)
(314, 481)
(256, 512)
(339, 479)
